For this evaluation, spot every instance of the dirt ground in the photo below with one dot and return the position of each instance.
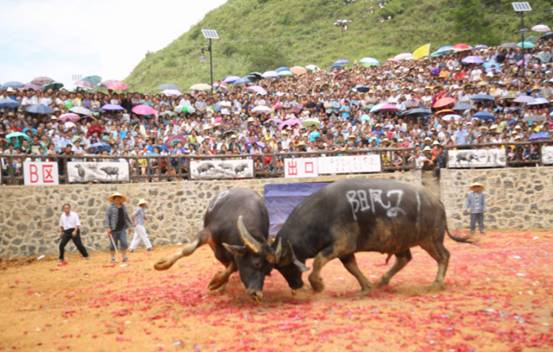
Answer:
(498, 298)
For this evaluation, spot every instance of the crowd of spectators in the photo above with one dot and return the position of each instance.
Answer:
(421, 106)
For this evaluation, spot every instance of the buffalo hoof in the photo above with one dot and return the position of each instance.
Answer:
(217, 281)
(382, 283)
(316, 284)
(299, 291)
(437, 286)
(163, 264)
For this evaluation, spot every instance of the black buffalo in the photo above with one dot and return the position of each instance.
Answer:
(358, 215)
(221, 233)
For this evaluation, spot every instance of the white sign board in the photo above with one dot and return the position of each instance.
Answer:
(473, 158)
(301, 167)
(547, 154)
(38, 173)
(221, 169)
(92, 171)
(349, 164)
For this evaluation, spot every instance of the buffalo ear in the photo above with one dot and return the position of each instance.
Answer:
(234, 249)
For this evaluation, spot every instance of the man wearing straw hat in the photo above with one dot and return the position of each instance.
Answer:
(140, 233)
(475, 206)
(117, 222)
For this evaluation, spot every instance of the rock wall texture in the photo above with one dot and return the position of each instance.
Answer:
(29, 216)
(516, 198)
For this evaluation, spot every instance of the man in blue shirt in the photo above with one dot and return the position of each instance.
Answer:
(475, 205)
(461, 135)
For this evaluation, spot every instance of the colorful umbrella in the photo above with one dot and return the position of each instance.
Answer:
(84, 84)
(282, 68)
(290, 123)
(40, 81)
(231, 79)
(270, 74)
(242, 81)
(298, 70)
(340, 62)
(144, 110)
(369, 61)
(482, 97)
(285, 73)
(523, 99)
(449, 117)
(484, 115)
(480, 46)
(508, 45)
(112, 107)
(311, 123)
(52, 86)
(403, 57)
(526, 44)
(312, 68)
(115, 85)
(462, 47)
(417, 112)
(443, 103)
(94, 79)
(477, 60)
(257, 90)
(13, 84)
(17, 135)
(94, 129)
(81, 111)
(444, 50)
(538, 101)
(201, 87)
(262, 109)
(462, 106)
(172, 92)
(7, 103)
(39, 109)
(31, 86)
(166, 86)
(69, 117)
(384, 107)
(541, 28)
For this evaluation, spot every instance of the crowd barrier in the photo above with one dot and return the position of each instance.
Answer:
(55, 169)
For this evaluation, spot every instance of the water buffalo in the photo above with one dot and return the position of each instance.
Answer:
(358, 215)
(221, 233)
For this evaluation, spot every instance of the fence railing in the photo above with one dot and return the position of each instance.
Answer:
(177, 167)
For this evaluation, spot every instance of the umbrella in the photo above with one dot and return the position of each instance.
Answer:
(541, 28)
(488, 65)
(539, 135)
(462, 47)
(172, 92)
(31, 87)
(285, 73)
(443, 102)
(417, 112)
(41, 81)
(462, 106)
(262, 109)
(384, 107)
(18, 135)
(166, 86)
(242, 81)
(99, 147)
(52, 86)
(112, 107)
(13, 84)
(473, 60)
(340, 62)
(270, 74)
(33, 130)
(231, 79)
(547, 36)
(526, 45)
(94, 79)
(201, 87)
(81, 111)
(482, 97)
(40, 109)
(444, 50)
(369, 61)
(257, 90)
(450, 117)
(290, 123)
(484, 115)
(481, 46)
(144, 110)
(282, 68)
(7, 103)
(311, 123)
(403, 57)
(538, 101)
(298, 70)
(312, 68)
(69, 117)
(361, 89)
(84, 84)
(508, 45)
(175, 140)
(115, 85)
(444, 112)
(523, 99)
(94, 129)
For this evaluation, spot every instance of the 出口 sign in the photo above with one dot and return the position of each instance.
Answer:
(301, 167)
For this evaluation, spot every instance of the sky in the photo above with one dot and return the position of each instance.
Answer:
(64, 38)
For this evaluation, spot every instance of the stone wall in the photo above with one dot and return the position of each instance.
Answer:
(29, 215)
(516, 198)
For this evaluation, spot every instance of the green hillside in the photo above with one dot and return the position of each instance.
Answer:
(259, 35)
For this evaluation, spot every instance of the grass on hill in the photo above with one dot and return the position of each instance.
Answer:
(260, 35)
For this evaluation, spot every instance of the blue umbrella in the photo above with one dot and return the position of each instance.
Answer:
(241, 81)
(99, 147)
(8, 103)
(483, 115)
(444, 50)
(539, 135)
(12, 84)
(462, 106)
(488, 65)
(113, 107)
(361, 89)
(231, 79)
(340, 62)
(482, 97)
(282, 68)
(417, 112)
(33, 130)
(39, 109)
(473, 60)
(166, 86)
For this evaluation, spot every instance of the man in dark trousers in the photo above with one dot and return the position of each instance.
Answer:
(70, 227)
(117, 222)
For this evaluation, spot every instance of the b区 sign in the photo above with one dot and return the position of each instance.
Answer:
(39, 173)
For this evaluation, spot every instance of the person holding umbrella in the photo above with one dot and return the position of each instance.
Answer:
(117, 222)
(140, 233)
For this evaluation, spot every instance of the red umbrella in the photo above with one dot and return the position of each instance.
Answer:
(443, 103)
(462, 47)
(115, 85)
(94, 129)
(144, 110)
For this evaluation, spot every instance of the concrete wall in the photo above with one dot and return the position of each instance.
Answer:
(29, 215)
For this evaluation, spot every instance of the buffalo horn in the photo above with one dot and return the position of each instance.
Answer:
(247, 238)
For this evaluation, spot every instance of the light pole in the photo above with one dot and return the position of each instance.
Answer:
(210, 35)
(521, 8)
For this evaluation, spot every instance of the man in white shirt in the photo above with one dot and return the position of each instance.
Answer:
(70, 230)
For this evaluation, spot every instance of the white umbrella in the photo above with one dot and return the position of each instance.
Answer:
(270, 74)
(262, 109)
(201, 87)
(541, 28)
(172, 92)
(81, 111)
(312, 68)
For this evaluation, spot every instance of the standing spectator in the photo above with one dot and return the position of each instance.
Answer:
(140, 234)
(70, 227)
(475, 205)
(117, 222)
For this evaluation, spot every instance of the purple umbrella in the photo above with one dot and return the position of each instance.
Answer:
(32, 87)
(69, 117)
(84, 84)
(290, 123)
(477, 60)
(112, 107)
(41, 81)
(257, 90)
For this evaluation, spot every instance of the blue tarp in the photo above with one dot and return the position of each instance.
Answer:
(281, 199)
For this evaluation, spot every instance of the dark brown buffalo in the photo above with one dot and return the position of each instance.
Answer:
(221, 233)
(357, 215)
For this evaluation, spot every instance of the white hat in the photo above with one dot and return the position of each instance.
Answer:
(142, 201)
(427, 148)
(117, 194)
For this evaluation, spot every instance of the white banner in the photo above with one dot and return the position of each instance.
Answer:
(92, 171)
(38, 173)
(469, 158)
(301, 167)
(349, 164)
(547, 154)
(217, 169)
